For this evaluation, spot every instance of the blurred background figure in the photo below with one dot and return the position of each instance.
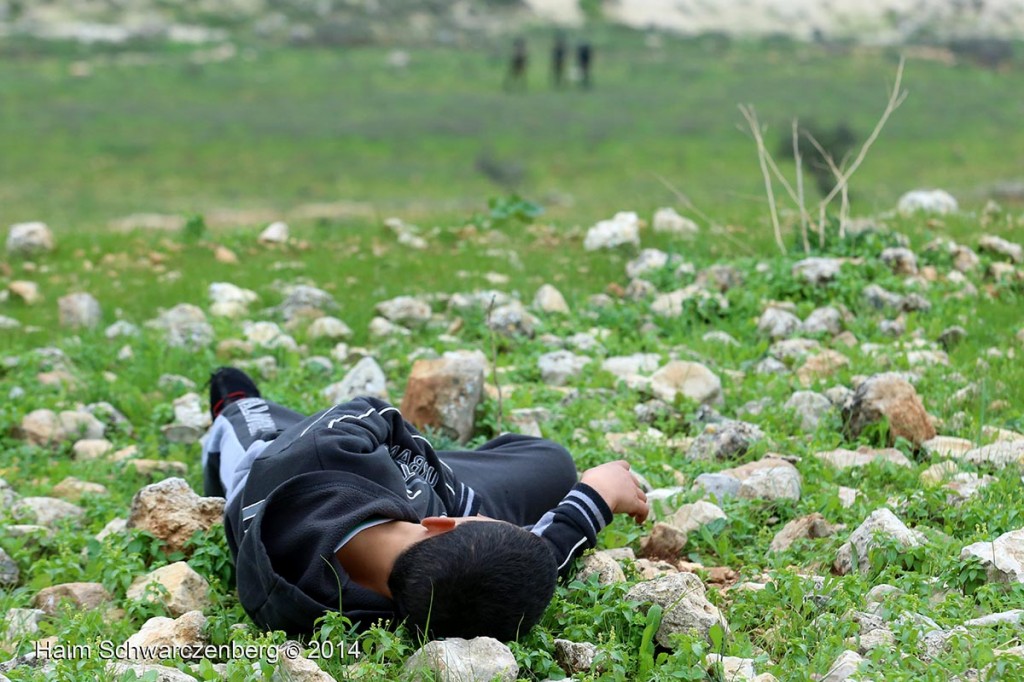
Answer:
(584, 60)
(515, 79)
(558, 51)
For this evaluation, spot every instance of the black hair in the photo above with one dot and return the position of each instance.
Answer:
(478, 579)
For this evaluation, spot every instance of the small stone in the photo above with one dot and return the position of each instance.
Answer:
(810, 407)
(824, 364)
(73, 489)
(27, 291)
(223, 254)
(21, 624)
(827, 320)
(719, 485)
(946, 446)
(153, 467)
(770, 478)
(184, 326)
(809, 527)
(690, 517)
(730, 668)
(888, 396)
(663, 542)
(88, 449)
(188, 630)
(185, 589)
(81, 596)
(777, 323)
(512, 320)
(999, 455)
(725, 440)
(666, 220)
(79, 310)
(444, 393)
(686, 609)
(172, 512)
(550, 300)
(938, 473)
(601, 564)
(575, 657)
(29, 239)
(302, 300)
(880, 523)
(558, 367)
(817, 270)
(10, 575)
(622, 229)
(1001, 247)
(408, 311)
(1003, 558)
(274, 233)
(844, 668)
(901, 260)
(365, 379)
(481, 659)
(147, 671)
(926, 201)
(328, 327)
(692, 380)
(47, 511)
(848, 459)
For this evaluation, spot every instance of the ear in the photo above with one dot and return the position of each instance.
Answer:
(436, 525)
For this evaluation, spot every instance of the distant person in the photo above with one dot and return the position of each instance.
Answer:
(584, 60)
(558, 52)
(516, 76)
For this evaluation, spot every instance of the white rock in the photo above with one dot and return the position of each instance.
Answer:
(1003, 558)
(274, 233)
(140, 671)
(842, 458)
(927, 201)
(157, 633)
(383, 328)
(408, 311)
(1012, 617)
(121, 328)
(649, 260)
(185, 589)
(668, 221)
(228, 300)
(27, 291)
(690, 517)
(682, 596)
(673, 303)
(557, 368)
(365, 379)
(811, 407)
(184, 326)
(1000, 454)
(730, 668)
(902, 260)
(817, 270)
(302, 299)
(844, 668)
(623, 228)
(623, 366)
(268, 335)
(79, 310)
(191, 410)
(481, 659)
(1000, 246)
(9, 323)
(881, 523)
(691, 379)
(777, 323)
(825, 320)
(29, 239)
(550, 300)
(328, 327)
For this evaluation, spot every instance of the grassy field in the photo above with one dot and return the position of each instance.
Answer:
(275, 129)
(281, 129)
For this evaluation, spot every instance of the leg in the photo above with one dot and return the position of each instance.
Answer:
(519, 477)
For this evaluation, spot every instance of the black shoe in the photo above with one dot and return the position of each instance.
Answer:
(227, 385)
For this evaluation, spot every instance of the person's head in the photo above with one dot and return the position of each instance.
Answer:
(477, 579)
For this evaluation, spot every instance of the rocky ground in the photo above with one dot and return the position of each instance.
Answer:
(835, 460)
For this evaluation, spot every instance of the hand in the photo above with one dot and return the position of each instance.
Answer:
(619, 488)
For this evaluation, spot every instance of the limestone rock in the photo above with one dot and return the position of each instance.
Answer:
(444, 393)
(666, 220)
(622, 229)
(41, 427)
(407, 311)
(328, 327)
(888, 396)
(686, 609)
(602, 564)
(549, 300)
(365, 379)
(186, 590)
(1001, 247)
(73, 489)
(171, 511)
(690, 517)
(119, 329)
(777, 323)
(27, 291)
(823, 364)
(947, 446)
(481, 659)
(810, 407)
(291, 668)
(725, 440)
(575, 657)
(901, 260)
(844, 668)
(274, 233)
(82, 596)
(827, 320)
(304, 300)
(79, 310)
(649, 260)
(769, 478)
(558, 367)
(847, 459)
(998, 455)
(927, 201)
(184, 326)
(21, 624)
(512, 320)
(191, 410)
(164, 673)
(881, 523)
(691, 379)
(663, 542)
(812, 526)
(29, 239)
(10, 575)
(730, 668)
(1003, 558)
(229, 300)
(817, 270)
(673, 304)
(160, 632)
(46, 511)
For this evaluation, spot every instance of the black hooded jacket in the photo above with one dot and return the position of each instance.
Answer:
(319, 480)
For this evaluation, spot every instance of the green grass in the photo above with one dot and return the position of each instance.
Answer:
(277, 128)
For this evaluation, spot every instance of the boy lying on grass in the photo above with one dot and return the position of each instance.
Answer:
(351, 508)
